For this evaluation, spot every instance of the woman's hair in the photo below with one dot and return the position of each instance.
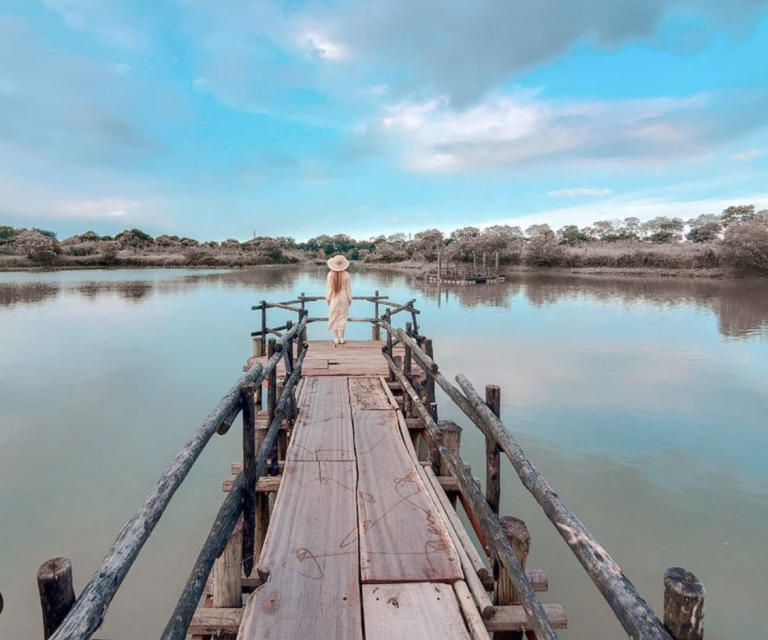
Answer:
(336, 281)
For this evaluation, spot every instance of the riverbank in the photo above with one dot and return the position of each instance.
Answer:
(414, 268)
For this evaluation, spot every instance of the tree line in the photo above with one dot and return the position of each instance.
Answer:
(737, 237)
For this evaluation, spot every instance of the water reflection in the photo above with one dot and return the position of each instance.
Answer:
(741, 306)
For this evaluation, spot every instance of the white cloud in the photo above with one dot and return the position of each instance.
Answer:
(579, 191)
(745, 156)
(325, 47)
(522, 129)
(101, 208)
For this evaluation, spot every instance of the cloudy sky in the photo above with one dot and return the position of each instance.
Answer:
(216, 118)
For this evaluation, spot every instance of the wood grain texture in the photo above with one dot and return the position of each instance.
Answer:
(323, 429)
(368, 394)
(310, 559)
(402, 535)
(417, 610)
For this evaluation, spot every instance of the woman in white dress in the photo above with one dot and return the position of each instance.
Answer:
(338, 295)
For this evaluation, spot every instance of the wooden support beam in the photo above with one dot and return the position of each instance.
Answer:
(265, 484)
(683, 604)
(57, 593)
(227, 571)
(514, 618)
(215, 622)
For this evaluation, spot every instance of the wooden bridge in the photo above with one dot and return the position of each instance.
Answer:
(346, 516)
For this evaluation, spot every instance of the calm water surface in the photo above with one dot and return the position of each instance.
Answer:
(643, 401)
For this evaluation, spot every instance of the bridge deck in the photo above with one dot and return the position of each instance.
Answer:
(356, 546)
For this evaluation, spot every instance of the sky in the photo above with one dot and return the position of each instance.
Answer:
(220, 119)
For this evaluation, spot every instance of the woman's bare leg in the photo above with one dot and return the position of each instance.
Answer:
(341, 336)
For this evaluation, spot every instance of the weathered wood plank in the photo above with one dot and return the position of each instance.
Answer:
(323, 429)
(210, 621)
(402, 535)
(310, 558)
(416, 610)
(513, 618)
(367, 394)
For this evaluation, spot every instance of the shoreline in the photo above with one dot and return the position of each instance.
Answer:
(590, 272)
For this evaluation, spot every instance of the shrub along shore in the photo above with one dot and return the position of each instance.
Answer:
(731, 243)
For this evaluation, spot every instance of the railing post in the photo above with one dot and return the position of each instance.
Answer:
(227, 575)
(408, 353)
(272, 400)
(263, 325)
(376, 329)
(683, 604)
(520, 540)
(249, 475)
(301, 317)
(57, 593)
(493, 453)
(388, 314)
(451, 433)
(429, 383)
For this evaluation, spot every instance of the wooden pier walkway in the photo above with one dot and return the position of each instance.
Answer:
(346, 516)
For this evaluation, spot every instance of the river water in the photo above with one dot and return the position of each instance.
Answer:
(643, 401)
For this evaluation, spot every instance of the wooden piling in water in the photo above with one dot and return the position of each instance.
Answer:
(683, 604)
(493, 453)
(57, 593)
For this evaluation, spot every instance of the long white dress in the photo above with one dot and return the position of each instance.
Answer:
(338, 303)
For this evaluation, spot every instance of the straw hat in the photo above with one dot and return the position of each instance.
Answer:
(338, 263)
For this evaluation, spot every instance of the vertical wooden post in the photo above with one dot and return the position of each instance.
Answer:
(262, 505)
(388, 314)
(263, 325)
(408, 353)
(497, 263)
(257, 348)
(520, 541)
(57, 593)
(227, 574)
(484, 271)
(439, 267)
(474, 263)
(272, 401)
(683, 604)
(301, 317)
(493, 453)
(430, 382)
(451, 433)
(289, 349)
(249, 475)
(376, 329)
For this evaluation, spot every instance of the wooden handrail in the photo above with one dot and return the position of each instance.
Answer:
(496, 538)
(637, 618)
(90, 608)
(225, 522)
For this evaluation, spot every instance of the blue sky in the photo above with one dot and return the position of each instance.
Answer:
(218, 119)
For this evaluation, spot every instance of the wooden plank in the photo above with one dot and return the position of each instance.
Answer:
(402, 535)
(210, 621)
(367, 394)
(310, 559)
(416, 610)
(323, 429)
(265, 484)
(513, 618)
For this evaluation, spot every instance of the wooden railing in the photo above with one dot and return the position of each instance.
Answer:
(683, 595)
(506, 538)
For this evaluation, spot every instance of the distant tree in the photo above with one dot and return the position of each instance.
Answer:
(134, 239)
(36, 246)
(737, 214)
(7, 234)
(572, 236)
(633, 227)
(542, 248)
(745, 245)
(664, 230)
(45, 232)
(426, 244)
(705, 228)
